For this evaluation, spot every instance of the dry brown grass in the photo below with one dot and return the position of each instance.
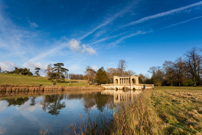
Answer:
(134, 118)
(165, 110)
(179, 109)
(137, 118)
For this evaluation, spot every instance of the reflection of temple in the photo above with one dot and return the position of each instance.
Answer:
(127, 82)
(121, 96)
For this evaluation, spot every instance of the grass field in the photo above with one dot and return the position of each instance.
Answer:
(179, 108)
(165, 110)
(12, 79)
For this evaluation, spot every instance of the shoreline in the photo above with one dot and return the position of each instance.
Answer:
(42, 93)
(15, 88)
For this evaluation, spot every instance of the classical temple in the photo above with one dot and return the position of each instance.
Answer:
(127, 82)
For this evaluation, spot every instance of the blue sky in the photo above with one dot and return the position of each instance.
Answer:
(97, 32)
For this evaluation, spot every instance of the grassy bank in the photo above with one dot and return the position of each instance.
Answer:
(165, 110)
(179, 108)
(12, 79)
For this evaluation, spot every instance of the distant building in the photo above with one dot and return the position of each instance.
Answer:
(127, 82)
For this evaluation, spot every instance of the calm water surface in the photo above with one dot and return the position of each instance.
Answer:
(25, 114)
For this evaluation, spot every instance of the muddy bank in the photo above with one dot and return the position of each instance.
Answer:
(14, 88)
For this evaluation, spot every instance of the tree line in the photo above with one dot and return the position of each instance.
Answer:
(103, 76)
(20, 71)
(185, 71)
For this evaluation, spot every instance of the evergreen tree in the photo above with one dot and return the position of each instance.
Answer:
(37, 71)
(101, 76)
(60, 70)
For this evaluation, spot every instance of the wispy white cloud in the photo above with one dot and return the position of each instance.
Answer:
(7, 65)
(107, 38)
(100, 33)
(32, 66)
(128, 36)
(144, 19)
(111, 18)
(74, 45)
(143, 32)
(88, 49)
(179, 23)
(33, 25)
(49, 52)
(14, 41)
(94, 67)
(75, 67)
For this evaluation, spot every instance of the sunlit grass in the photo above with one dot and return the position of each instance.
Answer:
(12, 79)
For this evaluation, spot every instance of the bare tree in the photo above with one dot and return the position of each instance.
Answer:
(130, 72)
(194, 64)
(76, 76)
(110, 74)
(90, 73)
(49, 71)
(142, 78)
(169, 71)
(157, 75)
(122, 66)
(179, 67)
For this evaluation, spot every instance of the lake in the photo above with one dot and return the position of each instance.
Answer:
(32, 113)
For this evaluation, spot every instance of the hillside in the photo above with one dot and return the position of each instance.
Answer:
(12, 79)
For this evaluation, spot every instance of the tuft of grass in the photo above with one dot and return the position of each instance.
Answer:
(137, 117)
(44, 131)
(95, 124)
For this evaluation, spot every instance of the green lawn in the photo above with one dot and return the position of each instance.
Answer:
(12, 79)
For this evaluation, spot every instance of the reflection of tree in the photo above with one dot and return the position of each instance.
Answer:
(96, 99)
(33, 101)
(53, 104)
(89, 100)
(75, 96)
(17, 101)
(102, 101)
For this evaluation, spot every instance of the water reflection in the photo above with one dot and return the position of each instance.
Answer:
(121, 96)
(17, 101)
(28, 113)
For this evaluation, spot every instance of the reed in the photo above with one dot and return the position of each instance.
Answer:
(137, 117)
(165, 110)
